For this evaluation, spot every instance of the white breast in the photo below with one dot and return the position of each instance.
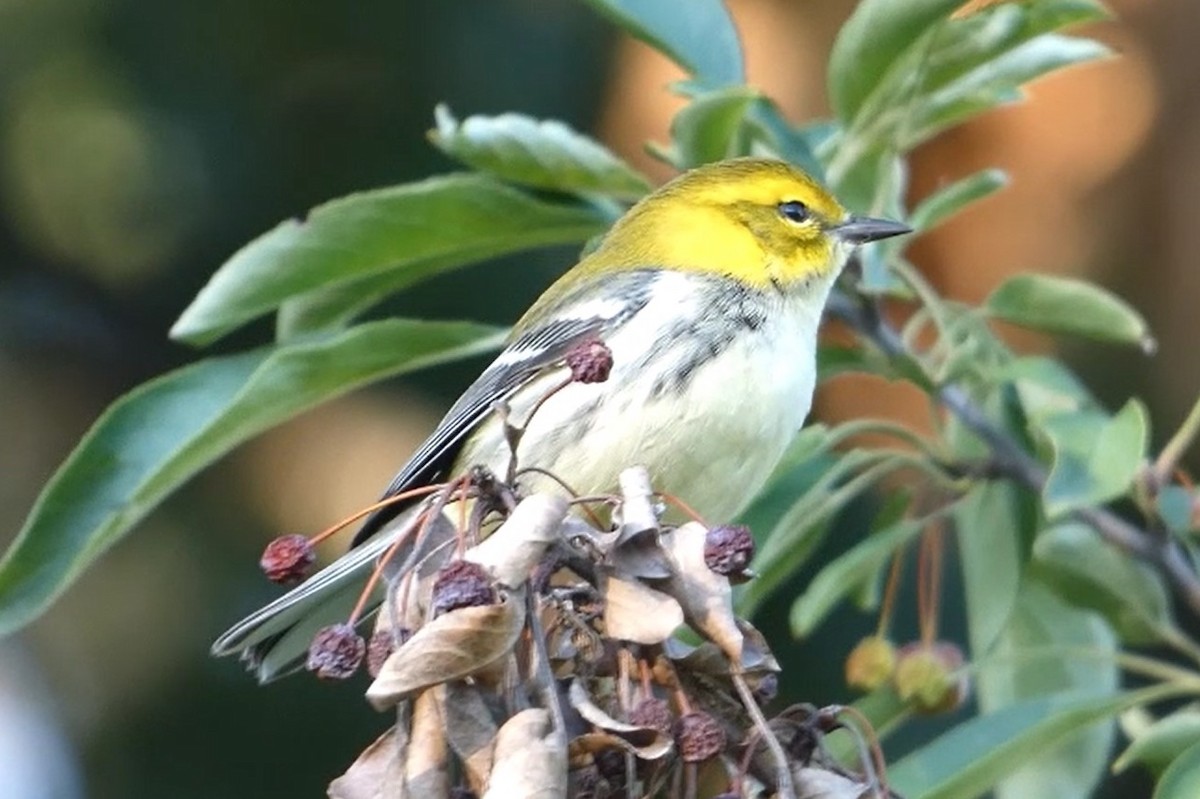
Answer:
(714, 446)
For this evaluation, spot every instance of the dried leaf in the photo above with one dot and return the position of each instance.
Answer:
(640, 555)
(648, 743)
(470, 730)
(377, 773)
(635, 612)
(425, 767)
(452, 646)
(513, 551)
(756, 654)
(705, 596)
(638, 512)
(529, 760)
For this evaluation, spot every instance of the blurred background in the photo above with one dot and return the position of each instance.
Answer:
(142, 142)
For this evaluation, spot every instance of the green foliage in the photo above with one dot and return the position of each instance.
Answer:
(541, 154)
(393, 237)
(164, 432)
(1063, 305)
(1021, 467)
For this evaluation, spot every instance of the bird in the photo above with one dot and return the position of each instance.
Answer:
(708, 293)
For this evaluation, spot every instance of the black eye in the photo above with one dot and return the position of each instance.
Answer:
(793, 211)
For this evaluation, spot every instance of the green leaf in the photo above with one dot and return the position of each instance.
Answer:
(411, 231)
(927, 70)
(949, 200)
(1023, 664)
(696, 34)
(1095, 457)
(1045, 387)
(772, 135)
(991, 522)
(1162, 742)
(162, 433)
(976, 755)
(875, 37)
(543, 154)
(995, 82)
(709, 128)
(1174, 506)
(1066, 305)
(1181, 780)
(846, 574)
(1090, 573)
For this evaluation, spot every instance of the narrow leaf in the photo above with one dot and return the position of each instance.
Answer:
(1022, 665)
(949, 200)
(696, 34)
(1066, 305)
(1090, 573)
(1181, 780)
(877, 34)
(992, 550)
(162, 433)
(708, 129)
(417, 229)
(974, 756)
(1161, 743)
(1095, 458)
(543, 154)
(847, 573)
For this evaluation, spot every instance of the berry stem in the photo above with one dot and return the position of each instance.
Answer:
(383, 503)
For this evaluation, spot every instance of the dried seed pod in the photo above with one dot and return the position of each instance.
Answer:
(728, 549)
(287, 559)
(336, 652)
(767, 688)
(381, 645)
(584, 782)
(590, 361)
(699, 737)
(655, 713)
(462, 584)
(611, 765)
(871, 663)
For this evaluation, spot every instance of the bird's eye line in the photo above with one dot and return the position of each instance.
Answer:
(794, 211)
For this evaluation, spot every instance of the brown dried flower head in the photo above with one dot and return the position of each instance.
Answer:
(590, 361)
(287, 559)
(699, 737)
(462, 584)
(336, 652)
(381, 645)
(728, 549)
(653, 713)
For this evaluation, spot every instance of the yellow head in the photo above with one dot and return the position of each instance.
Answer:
(760, 221)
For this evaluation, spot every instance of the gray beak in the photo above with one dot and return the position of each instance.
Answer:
(861, 229)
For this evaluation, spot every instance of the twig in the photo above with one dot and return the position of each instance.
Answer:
(1010, 459)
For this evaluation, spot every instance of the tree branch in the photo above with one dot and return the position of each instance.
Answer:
(1011, 459)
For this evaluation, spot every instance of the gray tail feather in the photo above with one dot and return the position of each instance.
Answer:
(274, 640)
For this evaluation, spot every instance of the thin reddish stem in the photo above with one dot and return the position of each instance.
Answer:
(383, 503)
(683, 506)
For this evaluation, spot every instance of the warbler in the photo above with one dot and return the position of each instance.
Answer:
(708, 293)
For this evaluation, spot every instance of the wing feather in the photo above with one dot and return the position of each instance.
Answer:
(530, 352)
